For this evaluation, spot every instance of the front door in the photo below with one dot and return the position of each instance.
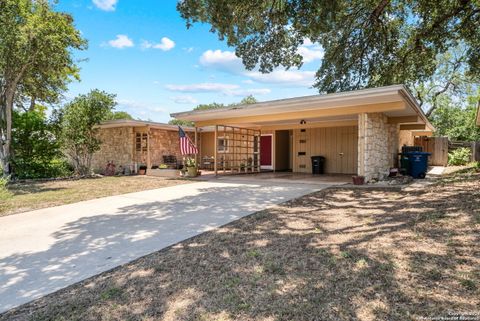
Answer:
(266, 152)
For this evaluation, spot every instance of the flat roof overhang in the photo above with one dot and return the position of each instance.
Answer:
(140, 123)
(318, 110)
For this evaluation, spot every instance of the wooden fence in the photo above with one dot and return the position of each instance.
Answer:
(473, 146)
(476, 151)
(437, 146)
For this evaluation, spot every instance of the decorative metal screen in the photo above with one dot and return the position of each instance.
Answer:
(238, 150)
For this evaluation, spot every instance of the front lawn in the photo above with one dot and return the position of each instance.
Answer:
(338, 254)
(32, 195)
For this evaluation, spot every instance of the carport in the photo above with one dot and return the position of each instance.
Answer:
(357, 132)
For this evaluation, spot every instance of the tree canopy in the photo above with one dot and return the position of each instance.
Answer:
(457, 121)
(366, 43)
(36, 60)
(118, 115)
(78, 132)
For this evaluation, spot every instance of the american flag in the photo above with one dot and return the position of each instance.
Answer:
(186, 145)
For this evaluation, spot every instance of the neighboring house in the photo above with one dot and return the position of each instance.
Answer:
(133, 143)
(358, 132)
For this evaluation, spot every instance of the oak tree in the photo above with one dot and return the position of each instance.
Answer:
(36, 62)
(367, 43)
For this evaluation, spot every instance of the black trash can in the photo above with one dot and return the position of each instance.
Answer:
(317, 164)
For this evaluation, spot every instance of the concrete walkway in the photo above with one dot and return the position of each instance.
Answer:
(45, 250)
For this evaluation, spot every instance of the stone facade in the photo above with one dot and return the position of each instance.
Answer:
(118, 145)
(377, 145)
(165, 142)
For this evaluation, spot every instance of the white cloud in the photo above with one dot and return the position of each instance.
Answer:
(106, 5)
(310, 51)
(142, 108)
(202, 87)
(307, 42)
(225, 89)
(189, 49)
(122, 41)
(165, 44)
(221, 60)
(227, 61)
(184, 99)
(246, 92)
(290, 77)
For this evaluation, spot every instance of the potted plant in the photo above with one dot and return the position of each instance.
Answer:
(358, 180)
(142, 169)
(249, 164)
(191, 166)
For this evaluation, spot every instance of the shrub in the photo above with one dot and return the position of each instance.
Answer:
(4, 192)
(460, 156)
(57, 167)
(37, 149)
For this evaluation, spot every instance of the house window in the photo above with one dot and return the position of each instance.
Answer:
(141, 142)
(223, 144)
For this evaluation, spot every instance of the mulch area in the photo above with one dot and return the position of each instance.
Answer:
(339, 254)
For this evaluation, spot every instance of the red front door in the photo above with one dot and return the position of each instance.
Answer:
(266, 151)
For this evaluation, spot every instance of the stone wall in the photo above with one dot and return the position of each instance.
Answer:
(163, 142)
(378, 145)
(405, 138)
(117, 146)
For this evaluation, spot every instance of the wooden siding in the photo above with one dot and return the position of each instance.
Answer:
(207, 144)
(339, 145)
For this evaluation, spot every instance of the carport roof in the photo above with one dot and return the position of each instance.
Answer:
(140, 123)
(344, 103)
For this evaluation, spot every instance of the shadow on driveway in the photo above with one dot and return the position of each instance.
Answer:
(93, 243)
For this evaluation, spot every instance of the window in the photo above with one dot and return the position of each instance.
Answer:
(141, 141)
(223, 144)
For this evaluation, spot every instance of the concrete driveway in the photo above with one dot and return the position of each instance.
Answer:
(45, 250)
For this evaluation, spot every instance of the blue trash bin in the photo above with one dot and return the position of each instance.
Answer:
(418, 164)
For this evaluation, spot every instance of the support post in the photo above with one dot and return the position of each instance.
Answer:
(215, 156)
(149, 165)
(361, 144)
(196, 145)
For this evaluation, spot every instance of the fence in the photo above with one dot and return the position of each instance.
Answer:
(476, 151)
(437, 146)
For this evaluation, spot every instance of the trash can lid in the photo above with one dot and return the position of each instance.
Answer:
(418, 153)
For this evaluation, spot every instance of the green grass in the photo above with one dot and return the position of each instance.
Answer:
(30, 195)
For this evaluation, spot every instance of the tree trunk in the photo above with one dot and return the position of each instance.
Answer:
(6, 106)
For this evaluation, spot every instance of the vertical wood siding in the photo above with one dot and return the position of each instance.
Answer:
(339, 145)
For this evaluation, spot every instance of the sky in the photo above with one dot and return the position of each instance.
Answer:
(142, 52)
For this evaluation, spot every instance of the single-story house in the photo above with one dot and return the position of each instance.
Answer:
(358, 132)
(129, 144)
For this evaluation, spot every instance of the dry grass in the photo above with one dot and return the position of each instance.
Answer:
(334, 255)
(32, 195)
